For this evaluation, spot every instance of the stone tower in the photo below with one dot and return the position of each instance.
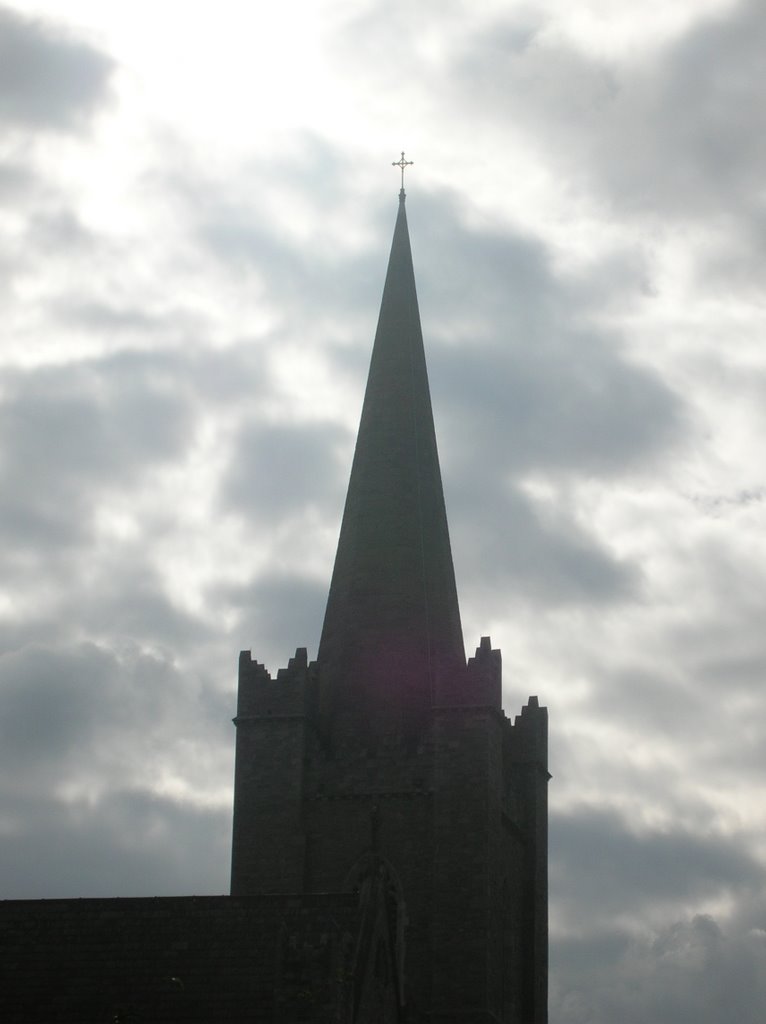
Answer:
(388, 763)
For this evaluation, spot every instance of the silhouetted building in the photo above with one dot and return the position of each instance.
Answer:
(389, 856)
(390, 758)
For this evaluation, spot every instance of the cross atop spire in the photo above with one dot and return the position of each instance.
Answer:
(402, 163)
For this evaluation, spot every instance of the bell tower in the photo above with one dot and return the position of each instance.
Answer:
(387, 764)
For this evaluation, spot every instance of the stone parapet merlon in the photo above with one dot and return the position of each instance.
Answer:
(485, 675)
(261, 696)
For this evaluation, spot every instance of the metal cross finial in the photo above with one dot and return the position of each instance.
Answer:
(402, 163)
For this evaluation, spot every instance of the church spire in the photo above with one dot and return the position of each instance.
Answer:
(392, 640)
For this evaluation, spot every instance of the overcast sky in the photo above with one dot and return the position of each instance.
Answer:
(196, 207)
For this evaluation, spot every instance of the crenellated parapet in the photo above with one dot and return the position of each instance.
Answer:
(529, 736)
(525, 767)
(269, 843)
(525, 816)
(485, 676)
(261, 696)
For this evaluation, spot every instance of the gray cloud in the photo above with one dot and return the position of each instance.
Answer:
(130, 843)
(52, 703)
(315, 285)
(127, 598)
(48, 79)
(279, 613)
(42, 234)
(325, 290)
(79, 727)
(522, 384)
(696, 119)
(16, 180)
(71, 430)
(277, 471)
(515, 358)
(63, 704)
(107, 318)
(54, 228)
(656, 698)
(677, 133)
(693, 971)
(599, 862)
(510, 551)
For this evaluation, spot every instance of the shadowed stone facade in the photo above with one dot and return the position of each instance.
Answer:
(389, 858)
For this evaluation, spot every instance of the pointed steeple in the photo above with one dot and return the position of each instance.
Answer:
(392, 638)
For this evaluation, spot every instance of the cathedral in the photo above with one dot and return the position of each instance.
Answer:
(389, 854)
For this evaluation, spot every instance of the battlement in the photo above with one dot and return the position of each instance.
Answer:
(528, 736)
(260, 696)
(484, 673)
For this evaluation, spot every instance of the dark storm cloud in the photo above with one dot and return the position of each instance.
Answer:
(48, 79)
(599, 862)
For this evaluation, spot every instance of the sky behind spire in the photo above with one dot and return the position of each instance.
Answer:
(196, 205)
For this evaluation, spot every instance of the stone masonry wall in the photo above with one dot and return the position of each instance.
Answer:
(210, 958)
